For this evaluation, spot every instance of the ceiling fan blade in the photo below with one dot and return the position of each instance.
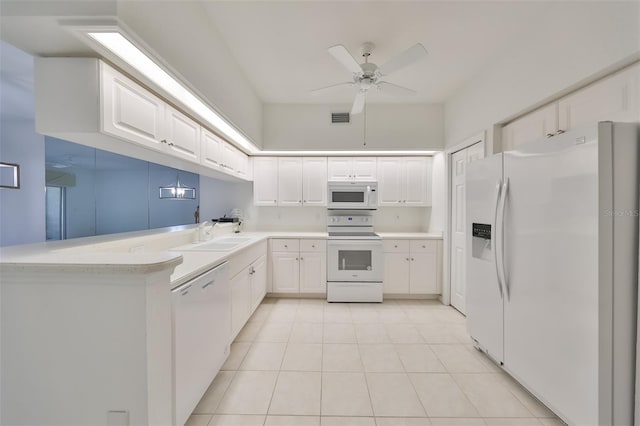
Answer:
(344, 57)
(408, 57)
(358, 102)
(394, 89)
(323, 90)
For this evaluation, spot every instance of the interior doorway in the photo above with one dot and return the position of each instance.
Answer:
(470, 151)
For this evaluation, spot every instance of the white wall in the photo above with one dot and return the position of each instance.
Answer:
(21, 210)
(217, 75)
(575, 41)
(389, 126)
(218, 198)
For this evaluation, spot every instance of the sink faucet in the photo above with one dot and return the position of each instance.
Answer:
(204, 232)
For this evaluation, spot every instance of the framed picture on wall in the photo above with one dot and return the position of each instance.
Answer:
(9, 175)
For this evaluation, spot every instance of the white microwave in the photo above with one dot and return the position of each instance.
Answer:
(353, 195)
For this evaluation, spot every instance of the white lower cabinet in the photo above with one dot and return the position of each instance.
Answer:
(248, 285)
(299, 266)
(412, 266)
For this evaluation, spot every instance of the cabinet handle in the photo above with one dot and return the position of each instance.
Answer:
(286, 246)
(170, 143)
(407, 259)
(302, 258)
(423, 246)
(313, 245)
(559, 132)
(412, 259)
(396, 246)
(163, 141)
(297, 258)
(550, 135)
(208, 284)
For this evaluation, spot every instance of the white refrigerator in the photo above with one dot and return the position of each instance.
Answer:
(552, 268)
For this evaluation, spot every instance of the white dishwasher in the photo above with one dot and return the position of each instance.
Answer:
(201, 330)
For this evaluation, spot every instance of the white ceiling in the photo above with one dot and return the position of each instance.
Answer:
(282, 45)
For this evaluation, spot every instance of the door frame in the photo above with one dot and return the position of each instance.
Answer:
(446, 243)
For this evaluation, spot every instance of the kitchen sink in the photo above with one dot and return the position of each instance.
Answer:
(219, 244)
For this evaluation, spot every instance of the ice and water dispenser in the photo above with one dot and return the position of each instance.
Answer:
(481, 241)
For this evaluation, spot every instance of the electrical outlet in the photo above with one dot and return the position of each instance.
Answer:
(117, 418)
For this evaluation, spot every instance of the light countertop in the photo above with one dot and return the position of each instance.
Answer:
(147, 251)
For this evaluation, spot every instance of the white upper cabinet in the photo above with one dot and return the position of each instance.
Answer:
(265, 181)
(86, 101)
(314, 181)
(404, 181)
(352, 168)
(613, 98)
(210, 149)
(130, 111)
(289, 181)
(183, 135)
(539, 124)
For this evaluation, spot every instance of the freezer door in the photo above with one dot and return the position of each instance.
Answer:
(551, 272)
(483, 289)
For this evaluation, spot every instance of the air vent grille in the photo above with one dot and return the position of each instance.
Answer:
(340, 117)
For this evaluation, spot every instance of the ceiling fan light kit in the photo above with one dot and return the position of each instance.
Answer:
(368, 75)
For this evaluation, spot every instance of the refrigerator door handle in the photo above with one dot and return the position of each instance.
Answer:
(495, 237)
(500, 239)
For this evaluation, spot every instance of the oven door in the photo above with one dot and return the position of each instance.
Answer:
(354, 260)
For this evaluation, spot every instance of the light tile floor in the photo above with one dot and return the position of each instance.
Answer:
(305, 362)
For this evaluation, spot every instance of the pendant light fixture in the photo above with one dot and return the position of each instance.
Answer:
(177, 191)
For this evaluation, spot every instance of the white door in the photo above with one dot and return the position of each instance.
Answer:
(459, 162)
(258, 281)
(416, 181)
(364, 168)
(240, 301)
(265, 181)
(130, 111)
(390, 181)
(183, 135)
(289, 181)
(314, 181)
(422, 273)
(396, 273)
(286, 272)
(313, 272)
(340, 168)
(210, 149)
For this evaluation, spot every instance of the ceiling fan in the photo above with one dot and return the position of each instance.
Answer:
(369, 75)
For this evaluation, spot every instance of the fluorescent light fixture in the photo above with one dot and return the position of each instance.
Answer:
(128, 52)
(345, 153)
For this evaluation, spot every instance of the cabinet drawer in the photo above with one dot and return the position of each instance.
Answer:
(396, 246)
(424, 246)
(282, 244)
(313, 245)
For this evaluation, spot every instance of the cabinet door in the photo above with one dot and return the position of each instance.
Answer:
(610, 99)
(182, 136)
(265, 181)
(229, 157)
(364, 168)
(389, 181)
(339, 168)
(286, 272)
(314, 181)
(424, 273)
(416, 181)
(313, 272)
(240, 301)
(396, 273)
(129, 111)
(533, 126)
(210, 149)
(289, 181)
(258, 281)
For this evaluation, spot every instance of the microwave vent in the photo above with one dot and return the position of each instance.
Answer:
(340, 117)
